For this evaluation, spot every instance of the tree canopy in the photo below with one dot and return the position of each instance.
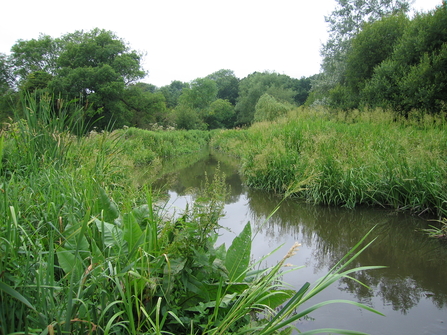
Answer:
(345, 22)
(95, 66)
(395, 62)
(252, 87)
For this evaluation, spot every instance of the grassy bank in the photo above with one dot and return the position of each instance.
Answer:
(83, 249)
(347, 159)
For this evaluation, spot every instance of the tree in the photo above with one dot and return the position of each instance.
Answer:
(227, 85)
(220, 114)
(414, 76)
(201, 93)
(268, 108)
(37, 80)
(370, 47)
(148, 107)
(252, 87)
(6, 76)
(345, 22)
(188, 118)
(36, 55)
(8, 96)
(95, 66)
(302, 88)
(172, 92)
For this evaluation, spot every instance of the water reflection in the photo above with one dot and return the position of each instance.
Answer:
(416, 265)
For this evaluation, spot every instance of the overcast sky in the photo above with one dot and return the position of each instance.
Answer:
(184, 40)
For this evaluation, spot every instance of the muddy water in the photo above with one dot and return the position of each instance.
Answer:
(411, 291)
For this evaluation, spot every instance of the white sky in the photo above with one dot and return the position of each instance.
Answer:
(184, 40)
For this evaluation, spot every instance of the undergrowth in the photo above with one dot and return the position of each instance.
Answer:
(83, 251)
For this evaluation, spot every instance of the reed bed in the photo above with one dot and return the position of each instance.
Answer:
(84, 251)
(347, 159)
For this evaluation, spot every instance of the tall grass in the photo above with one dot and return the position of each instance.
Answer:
(347, 159)
(82, 251)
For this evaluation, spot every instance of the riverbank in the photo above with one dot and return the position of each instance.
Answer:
(346, 158)
(85, 249)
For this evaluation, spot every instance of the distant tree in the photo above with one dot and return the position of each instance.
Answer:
(345, 22)
(220, 114)
(201, 93)
(6, 75)
(268, 108)
(40, 54)
(227, 85)
(414, 76)
(302, 88)
(147, 107)
(252, 87)
(95, 66)
(188, 118)
(8, 94)
(172, 92)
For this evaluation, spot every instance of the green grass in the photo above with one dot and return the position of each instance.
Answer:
(83, 249)
(347, 159)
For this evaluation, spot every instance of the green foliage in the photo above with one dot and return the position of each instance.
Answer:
(201, 93)
(394, 62)
(227, 85)
(199, 107)
(345, 21)
(412, 77)
(220, 114)
(346, 159)
(172, 92)
(268, 108)
(36, 80)
(370, 47)
(6, 77)
(254, 86)
(147, 107)
(35, 55)
(96, 66)
(80, 254)
(187, 118)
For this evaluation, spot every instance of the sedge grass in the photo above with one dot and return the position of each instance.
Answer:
(347, 159)
(80, 255)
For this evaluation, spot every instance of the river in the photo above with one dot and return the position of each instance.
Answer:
(411, 291)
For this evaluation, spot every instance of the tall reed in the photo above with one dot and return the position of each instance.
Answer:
(347, 159)
(84, 252)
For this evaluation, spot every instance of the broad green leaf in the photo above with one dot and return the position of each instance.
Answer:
(107, 206)
(9, 290)
(238, 255)
(96, 253)
(74, 241)
(140, 213)
(113, 235)
(132, 231)
(69, 262)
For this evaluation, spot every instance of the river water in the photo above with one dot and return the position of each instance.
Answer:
(411, 291)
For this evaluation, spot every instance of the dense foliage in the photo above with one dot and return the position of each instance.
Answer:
(98, 69)
(86, 250)
(394, 61)
(346, 159)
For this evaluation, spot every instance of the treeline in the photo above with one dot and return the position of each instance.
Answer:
(377, 55)
(100, 71)
(387, 59)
